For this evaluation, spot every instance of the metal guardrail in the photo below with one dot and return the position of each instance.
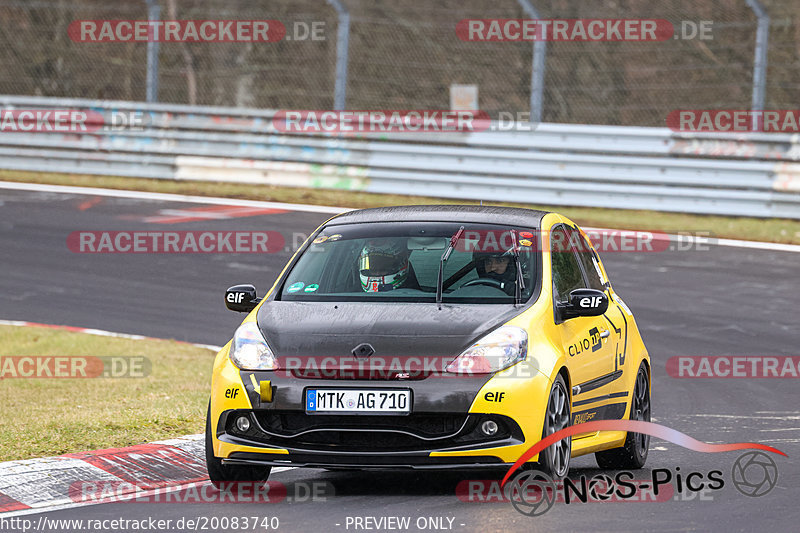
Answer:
(551, 164)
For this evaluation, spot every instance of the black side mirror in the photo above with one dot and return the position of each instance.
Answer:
(241, 298)
(584, 302)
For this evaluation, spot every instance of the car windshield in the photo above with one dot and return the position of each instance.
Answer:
(399, 261)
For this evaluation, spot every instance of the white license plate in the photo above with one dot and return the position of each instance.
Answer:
(357, 401)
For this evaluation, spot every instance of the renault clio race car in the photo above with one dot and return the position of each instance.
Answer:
(429, 337)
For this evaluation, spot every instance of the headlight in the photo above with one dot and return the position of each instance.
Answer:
(499, 349)
(249, 350)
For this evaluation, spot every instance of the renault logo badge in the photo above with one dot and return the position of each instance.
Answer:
(363, 350)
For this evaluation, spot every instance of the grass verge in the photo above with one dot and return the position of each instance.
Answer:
(53, 416)
(745, 228)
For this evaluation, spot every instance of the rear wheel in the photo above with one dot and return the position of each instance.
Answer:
(554, 460)
(220, 474)
(633, 454)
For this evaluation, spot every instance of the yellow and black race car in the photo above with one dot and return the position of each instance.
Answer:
(429, 337)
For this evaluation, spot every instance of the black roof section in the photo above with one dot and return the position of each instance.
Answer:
(512, 216)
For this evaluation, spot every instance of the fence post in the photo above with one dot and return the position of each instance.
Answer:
(342, 45)
(760, 60)
(153, 13)
(537, 66)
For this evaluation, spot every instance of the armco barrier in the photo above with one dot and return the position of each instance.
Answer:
(550, 164)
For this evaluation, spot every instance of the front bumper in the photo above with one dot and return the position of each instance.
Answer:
(389, 441)
(443, 430)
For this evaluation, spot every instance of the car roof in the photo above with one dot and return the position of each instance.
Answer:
(513, 216)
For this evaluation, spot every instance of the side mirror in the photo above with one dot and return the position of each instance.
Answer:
(584, 302)
(241, 298)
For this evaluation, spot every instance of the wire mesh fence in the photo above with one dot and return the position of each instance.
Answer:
(405, 54)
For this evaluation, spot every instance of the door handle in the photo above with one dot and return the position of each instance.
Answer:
(604, 334)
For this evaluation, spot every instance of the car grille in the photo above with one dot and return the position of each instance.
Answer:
(426, 426)
(363, 433)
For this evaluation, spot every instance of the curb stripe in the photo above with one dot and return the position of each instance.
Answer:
(150, 465)
(33, 484)
(44, 482)
(7, 504)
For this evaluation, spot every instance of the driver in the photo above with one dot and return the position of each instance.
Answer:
(498, 266)
(383, 266)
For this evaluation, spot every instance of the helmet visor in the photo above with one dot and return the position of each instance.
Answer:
(380, 264)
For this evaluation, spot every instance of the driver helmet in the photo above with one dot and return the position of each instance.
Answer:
(383, 265)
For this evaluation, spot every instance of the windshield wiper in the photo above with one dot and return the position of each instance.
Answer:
(445, 257)
(517, 263)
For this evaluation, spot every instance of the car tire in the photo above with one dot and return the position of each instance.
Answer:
(220, 474)
(633, 454)
(554, 460)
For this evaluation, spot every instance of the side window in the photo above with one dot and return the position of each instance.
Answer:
(587, 259)
(566, 271)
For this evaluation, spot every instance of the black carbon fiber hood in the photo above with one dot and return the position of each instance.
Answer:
(393, 329)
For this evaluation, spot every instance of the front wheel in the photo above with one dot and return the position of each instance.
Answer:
(221, 474)
(554, 460)
(633, 454)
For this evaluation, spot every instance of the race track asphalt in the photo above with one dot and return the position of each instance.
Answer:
(714, 301)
